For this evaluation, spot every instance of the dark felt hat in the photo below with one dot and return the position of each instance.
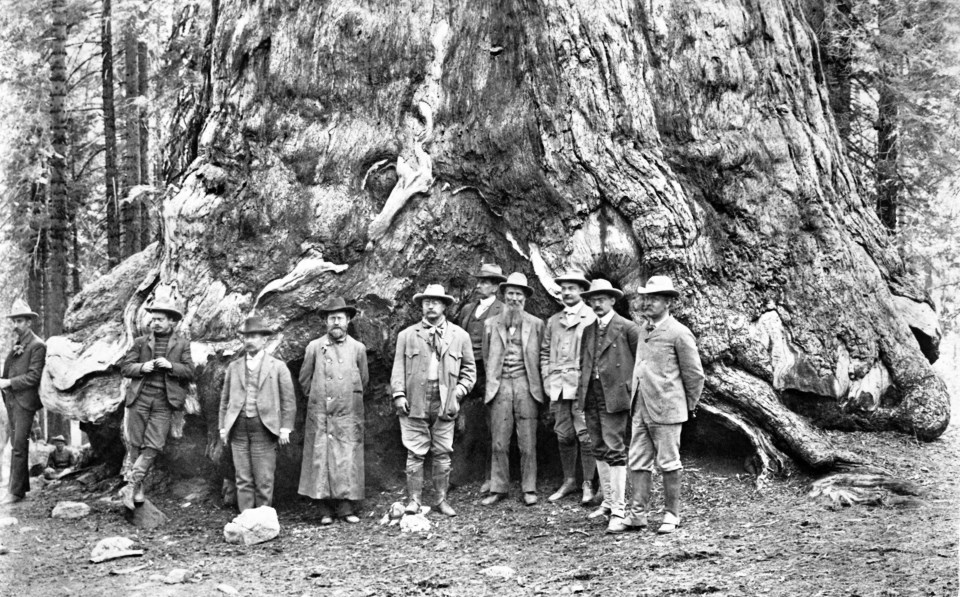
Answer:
(335, 304)
(255, 325)
(166, 307)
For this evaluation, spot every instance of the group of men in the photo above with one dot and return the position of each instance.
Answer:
(597, 370)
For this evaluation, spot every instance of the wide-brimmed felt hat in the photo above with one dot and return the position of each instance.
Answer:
(20, 308)
(490, 271)
(574, 277)
(255, 325)
(659, 285)
(601, 286)
(165, 307)
(58, 438)
(336, 304)
(519, 280)
(435, 291)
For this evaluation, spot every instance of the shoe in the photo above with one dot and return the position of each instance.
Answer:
(588, 493)
(485, 488)
(529, 498)
(138, 496)
(568, 487)
(126, 495)
(616, 525)
(492, 499)
(326, 520)
(413, 506)
(600, 512)
(12, 499)
(446, 509)
(351, 518)
(670, 523)
(635, 519)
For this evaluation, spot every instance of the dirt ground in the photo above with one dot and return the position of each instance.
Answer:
(735, 540)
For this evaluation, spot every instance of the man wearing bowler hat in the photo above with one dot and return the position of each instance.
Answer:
(333, 377)
(472, 318)
(511, 351)
(160, 368)
(433, 370)
(667, 382)
(560, 367)
(608, 347)
(20, 384)
(257, 411)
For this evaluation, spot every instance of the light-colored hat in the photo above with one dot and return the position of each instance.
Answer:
(518, 280)
(165, 307)
(435, 291)
(490, 271)
(659, 285)
(20, 308)
(58, 438)
(256, 325)
(575, 277)
(601, 286)
(337, 304)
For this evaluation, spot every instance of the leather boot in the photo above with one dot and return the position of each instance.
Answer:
(603, 469)
(441, 482)
(636, 517)
(569, 486)
(589, 470)
(414, 490)
(138, 496)
(568, 462)
(671, 502)
(617, 498)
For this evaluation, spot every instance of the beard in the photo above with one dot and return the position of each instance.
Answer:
(513, 316)
(336, 333)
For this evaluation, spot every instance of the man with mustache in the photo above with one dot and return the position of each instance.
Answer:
(257, 411)
(433, 369)
(160, 368)
(20, 385)
(333, 377)
(511, 351)
(472, 318)
(667, 382)
(608, 346)
(560, 367)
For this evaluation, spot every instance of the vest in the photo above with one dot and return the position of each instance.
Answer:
(513, 356)
(250, 401)
(474, 327)
(156, 380)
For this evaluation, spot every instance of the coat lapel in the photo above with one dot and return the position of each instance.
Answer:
(152, 345)
(265, 366)
(525, 330)
(612, 330)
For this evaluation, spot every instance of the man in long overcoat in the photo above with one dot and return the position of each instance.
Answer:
(511, 350)
(21, 394)
(160, 368)
(333, 377)
(433, 369)
(607, 351)
(258, 408)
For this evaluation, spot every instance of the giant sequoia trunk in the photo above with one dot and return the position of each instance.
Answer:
(367, 149)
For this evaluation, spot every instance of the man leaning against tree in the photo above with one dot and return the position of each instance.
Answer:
(667, 382)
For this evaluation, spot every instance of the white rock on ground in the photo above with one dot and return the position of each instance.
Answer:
(253, 526)
(70, 510)
(112, 548)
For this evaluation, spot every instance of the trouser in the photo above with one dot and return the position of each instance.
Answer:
(513, 408)
(20, 422)
(607, 430)
(570, 425)
(254, 450)
(432, 434)
(654, 444)
(147, 425)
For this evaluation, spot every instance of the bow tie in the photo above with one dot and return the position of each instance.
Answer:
(651, 327)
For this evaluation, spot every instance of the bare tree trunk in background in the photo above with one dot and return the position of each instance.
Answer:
(888, 182)
(143, 83)
(131, 142)
(57, 201)
(109, 136)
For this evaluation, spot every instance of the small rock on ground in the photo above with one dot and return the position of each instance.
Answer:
(70, 510)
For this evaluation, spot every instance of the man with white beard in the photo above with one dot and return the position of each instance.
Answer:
(511, 352)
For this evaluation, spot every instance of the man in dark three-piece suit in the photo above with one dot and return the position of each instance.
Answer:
(21, 394)
(607, 351)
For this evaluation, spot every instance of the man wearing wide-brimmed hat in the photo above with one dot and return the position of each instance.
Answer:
(667, 382)
(607, 350)
(511, 351)
(560, 367)
(433, 370)
(258, 408)
(160, 368)
(333, 378)
(61, 460)
(21, 394)
(475, 416)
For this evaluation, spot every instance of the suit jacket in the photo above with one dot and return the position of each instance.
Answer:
(176, 380)
(494, 347)
(457, 367)
(276, 401)
(467, 321)
(560, 379)
(24, 371)
(667, 375)
(617, 352)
